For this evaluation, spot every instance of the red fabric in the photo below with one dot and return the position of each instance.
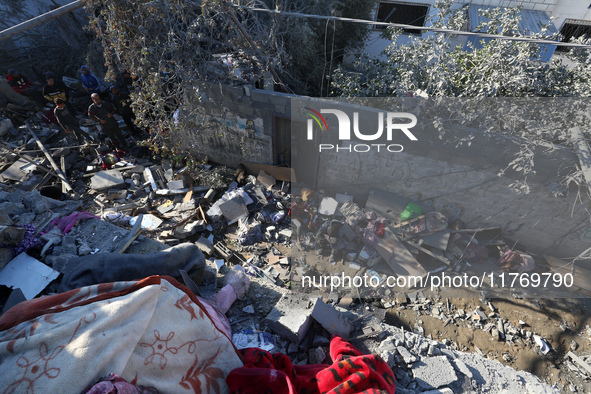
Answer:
(18, 84)
(351, 372)
(49, 117)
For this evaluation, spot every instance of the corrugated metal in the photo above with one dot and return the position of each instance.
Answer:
(577, 22)
(531, 22)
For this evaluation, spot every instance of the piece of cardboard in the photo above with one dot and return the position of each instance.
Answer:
(28, 274)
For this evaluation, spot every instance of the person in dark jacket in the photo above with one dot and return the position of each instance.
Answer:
(102, 112)
(21, 85)
(122, 102)
(54, 89)
(69, 122)
(89, 81)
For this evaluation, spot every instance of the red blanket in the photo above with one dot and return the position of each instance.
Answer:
(351, 372)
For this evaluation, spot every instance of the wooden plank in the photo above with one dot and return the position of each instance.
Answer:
(28, 160)
(89, 174)
(63, 165)
(406, 223)
(51, 161)
(400, 260)
(280, 173)
(427, 251)
(133, 234)
(580, 362)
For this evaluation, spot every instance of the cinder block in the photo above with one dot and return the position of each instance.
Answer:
(331, 319)
(291, 317)
(433, 373)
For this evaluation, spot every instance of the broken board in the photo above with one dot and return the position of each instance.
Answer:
(400, 260)
(28, 274)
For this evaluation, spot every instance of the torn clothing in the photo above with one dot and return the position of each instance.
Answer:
(18, 82)
(115, 267)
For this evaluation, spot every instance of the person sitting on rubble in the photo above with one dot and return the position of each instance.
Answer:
(21, 85)
(69, 122)
(328, 238)
(54, 89)
(300, 216)
(102, 112)
(122, 103)
(89, 81)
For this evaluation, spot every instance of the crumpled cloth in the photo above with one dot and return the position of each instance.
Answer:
(66, 223)
(115, 384)
(351, 372)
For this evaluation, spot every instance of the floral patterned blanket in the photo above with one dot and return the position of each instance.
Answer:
(153, 332)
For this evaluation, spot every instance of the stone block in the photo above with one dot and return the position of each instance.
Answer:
(332, 320)
(291, 317)
(109, 179)
(434, 372)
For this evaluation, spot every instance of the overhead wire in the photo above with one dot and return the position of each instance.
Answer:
(421, 28)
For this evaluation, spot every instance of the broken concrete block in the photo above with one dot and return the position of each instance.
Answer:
(222, 250)
(210, 195)
(165, 207)
(84, 249)
(205, 245)
(234, 209)
(176, 185)
(332, 320)
(407, 356)
(328, 206)
(433, 373)
(59, 262)
(462, 368)
(11, 235)
(316, 356)
(291, 317)
(189, 229)
(9, 208)
(186, 206)
(109, 179)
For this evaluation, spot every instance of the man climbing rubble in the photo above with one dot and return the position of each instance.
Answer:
(102, 112)
(69, 122)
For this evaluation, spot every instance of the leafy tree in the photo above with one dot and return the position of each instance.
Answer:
(432, 66)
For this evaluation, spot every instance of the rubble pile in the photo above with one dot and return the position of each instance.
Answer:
(127, 204)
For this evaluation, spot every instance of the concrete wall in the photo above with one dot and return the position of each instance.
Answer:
(464, 181)
(233, 124)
